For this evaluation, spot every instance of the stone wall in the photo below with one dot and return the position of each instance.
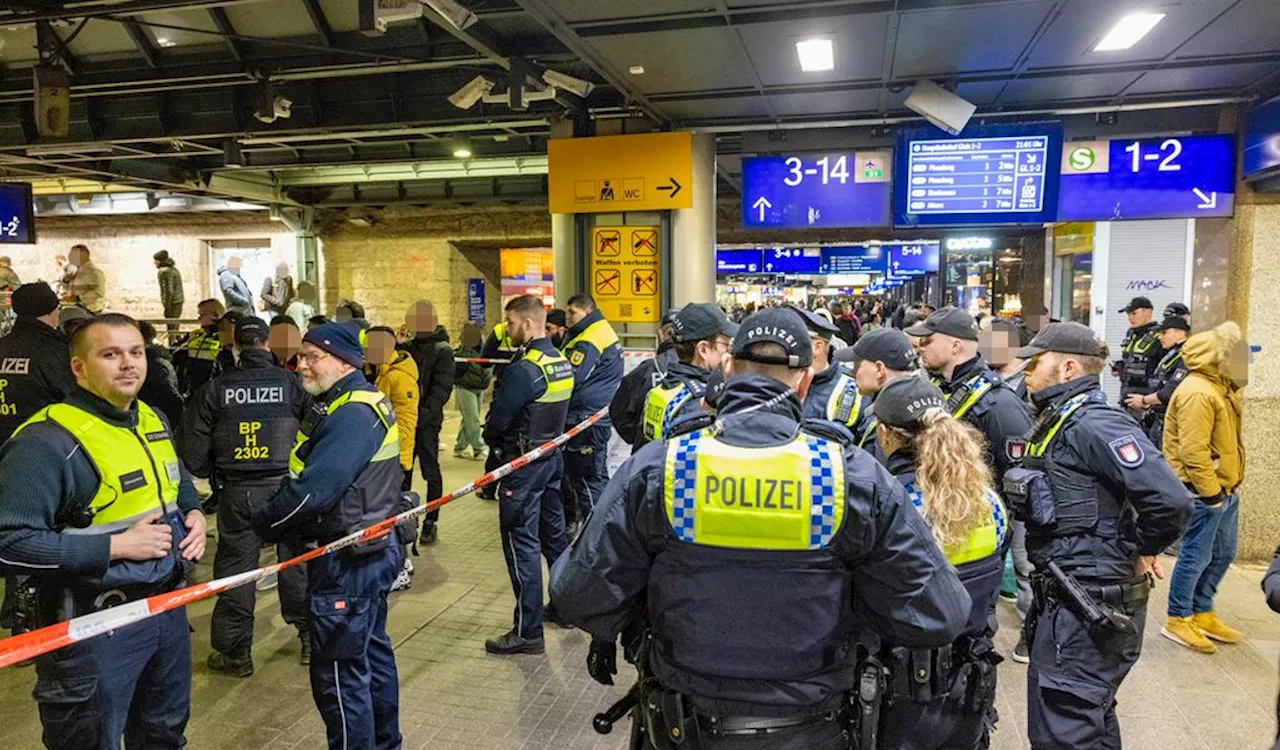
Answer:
(122, 247)
(410, 255)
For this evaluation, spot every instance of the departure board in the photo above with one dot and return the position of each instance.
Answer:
(992, 175)
(17, 214)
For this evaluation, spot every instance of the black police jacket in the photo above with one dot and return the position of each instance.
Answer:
(35, 371)
(1115, 496)
(243, 423)
(1000, 415)
(626, 410)
(1140, 353)
(759, 632)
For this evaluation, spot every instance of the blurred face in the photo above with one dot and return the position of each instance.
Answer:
(870, 376)
(234, 263)
(226, 333)
(208, 314)
(997, 346)
(1170, 337)
(573, 315)
(1238, 364)
(284, 341)
(1139, 317)
(282, 270)
(319, 369)
(113, 363)
(78, 256)
(382, 348)
(938, 350)
(342, 314)
(420, 318)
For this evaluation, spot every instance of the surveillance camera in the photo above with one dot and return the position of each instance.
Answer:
(457, 16)
(568, 83)
(475, 90)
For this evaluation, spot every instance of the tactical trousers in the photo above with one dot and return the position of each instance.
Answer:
(353, 669)
(531, 521)
(585, 472)
(231, 627)
(427, 447)
(1073, 678)
(134, 681)
(936, 725)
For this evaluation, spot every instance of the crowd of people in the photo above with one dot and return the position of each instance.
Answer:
(866, 478)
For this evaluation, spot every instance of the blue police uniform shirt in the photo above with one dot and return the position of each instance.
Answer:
(340, 448)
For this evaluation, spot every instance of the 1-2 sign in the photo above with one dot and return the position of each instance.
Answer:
(1170, 150)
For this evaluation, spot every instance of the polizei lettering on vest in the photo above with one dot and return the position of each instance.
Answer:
(752, 492)
(257, 395)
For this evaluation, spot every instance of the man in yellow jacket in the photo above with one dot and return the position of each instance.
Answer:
(1203, 444)
(395, 374)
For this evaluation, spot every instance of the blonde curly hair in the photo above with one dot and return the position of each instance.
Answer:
(951, 473)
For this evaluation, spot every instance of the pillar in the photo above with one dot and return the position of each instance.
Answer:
(564, 254)
(308, 267)
(1254, 281)
(693, 231)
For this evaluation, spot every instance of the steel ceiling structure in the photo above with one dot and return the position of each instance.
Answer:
(164, 91)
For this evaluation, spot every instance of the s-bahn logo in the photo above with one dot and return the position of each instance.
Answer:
(1082, 158)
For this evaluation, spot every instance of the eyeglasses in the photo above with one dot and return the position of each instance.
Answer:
(311, 358)
(722, 342)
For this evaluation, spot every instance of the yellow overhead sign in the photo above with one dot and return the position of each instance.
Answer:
(649, 172)
(624, 273)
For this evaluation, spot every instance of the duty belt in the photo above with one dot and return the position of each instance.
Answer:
(728, 726)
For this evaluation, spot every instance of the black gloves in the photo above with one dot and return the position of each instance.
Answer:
(602, 661)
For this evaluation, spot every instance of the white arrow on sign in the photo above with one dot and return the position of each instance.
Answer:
(1206, 201)
(762, 203)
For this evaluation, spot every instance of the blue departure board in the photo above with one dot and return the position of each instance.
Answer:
(838, 189)
(1262, 138)
(913, 259)
(738, 261)
(988, 175)
(1157, 178)
(793, 260)
(17, 214)
(854, 259)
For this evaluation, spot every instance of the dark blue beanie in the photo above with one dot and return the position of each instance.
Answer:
(342, 340)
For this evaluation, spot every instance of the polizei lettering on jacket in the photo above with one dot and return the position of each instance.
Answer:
(249, 395)
(15, 366)
(752, 492)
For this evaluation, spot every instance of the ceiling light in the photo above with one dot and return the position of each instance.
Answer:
(568, 83)
(636, 70)
(457, 16)
(165, 41)
(461, 150)
(816, 55)
(1128, 31)
(467, 96)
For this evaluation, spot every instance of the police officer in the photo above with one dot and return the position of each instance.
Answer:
(196, 358)
(529, 408)
(833, 395)
(35, 364)
(1140, 353)
(345, 475)
(751, 541)
(497, 345)
(879, 358)
(1100, 503)
(627, 408)
(239, 431)
(945, 697)
(702, 334)
(97, 507)
(975, 393)
(1170, 371)
(1177, 309)
(593, 349)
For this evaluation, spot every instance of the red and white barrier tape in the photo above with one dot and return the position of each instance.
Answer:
(485, 360)
(53, 637)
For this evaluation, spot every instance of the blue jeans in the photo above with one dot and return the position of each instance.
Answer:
(1208, 547)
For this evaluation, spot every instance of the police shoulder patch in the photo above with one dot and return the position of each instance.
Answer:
(576, 357)
(1127, 451)
(1015, 448)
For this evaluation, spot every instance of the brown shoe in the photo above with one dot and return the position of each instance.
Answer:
(1213, 627)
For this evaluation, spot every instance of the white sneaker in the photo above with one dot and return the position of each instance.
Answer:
(405, 579)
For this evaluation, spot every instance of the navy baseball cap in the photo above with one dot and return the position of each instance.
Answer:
(1176, 321)
(1065, 338)
(887, 345)
(774, 325)
(949, 321)
(818, 326)
(1176, 308)
(698, 321)
(251, 330)
(1137, 303)
(902, 402)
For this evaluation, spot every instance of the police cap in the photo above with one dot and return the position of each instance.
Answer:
(1176, 321)
(1176, 308)
(774, 325)
(1065, 338)
(1137, 303)
(949, 321)
(818, 326)
(902, 402)
(251, 331)
(887, 345)
(698, 321)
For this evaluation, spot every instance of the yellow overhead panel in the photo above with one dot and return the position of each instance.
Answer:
(613, 173)
(67, 186)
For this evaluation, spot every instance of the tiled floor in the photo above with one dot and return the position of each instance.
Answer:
(454, 695)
